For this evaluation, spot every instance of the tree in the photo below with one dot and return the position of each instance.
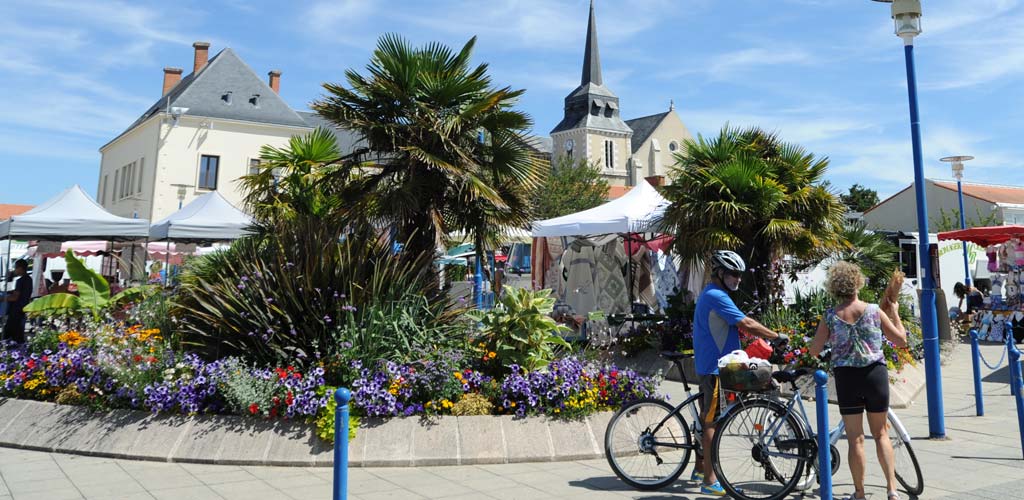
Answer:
(748, 191)
(871, 251)
(449, 150)
(950, 220)
(860, 198)
(571, 186)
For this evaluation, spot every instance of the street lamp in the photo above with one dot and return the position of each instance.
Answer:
(906, 15)
(957, 162)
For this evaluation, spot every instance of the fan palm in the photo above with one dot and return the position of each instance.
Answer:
(450, 152)
(870, 250)
(748, 191)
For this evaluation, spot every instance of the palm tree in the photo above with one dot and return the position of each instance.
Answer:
(870, 250)
(748, 191)
(450, 152)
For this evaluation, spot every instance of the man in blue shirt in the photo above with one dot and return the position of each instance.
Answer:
(716, 325)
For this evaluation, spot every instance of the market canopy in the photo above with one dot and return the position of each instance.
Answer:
(209, 217)
(72, 215)
(984, 236)
(637, 211)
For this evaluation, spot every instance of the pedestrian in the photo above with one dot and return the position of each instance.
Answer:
(975, 300)
(716, 324)
(14, 329)
(856, 330)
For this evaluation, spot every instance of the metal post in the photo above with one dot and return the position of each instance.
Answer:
(341, 396)
(478, 278)
(824, 446)
(1017, 381)
(979, 400)
(929, 325)
(1009, 350)
(963, 225)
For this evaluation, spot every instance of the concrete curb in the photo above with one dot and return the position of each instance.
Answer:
(234, 440)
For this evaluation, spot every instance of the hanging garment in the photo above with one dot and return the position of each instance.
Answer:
(990, 254)
(998, 328)
(1017, 325)
(1018, 253)
(610, 278)
(553, 277)
(643, 284)
(666, 278)
(1006, 253)
(578, 270)
(539, 262)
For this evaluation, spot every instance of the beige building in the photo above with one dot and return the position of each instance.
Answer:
(626, 151)
(1003, 204)
(202, 134)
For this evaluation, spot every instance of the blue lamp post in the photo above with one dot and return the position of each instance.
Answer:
(907, 17)
(957, 162)
(478, 277)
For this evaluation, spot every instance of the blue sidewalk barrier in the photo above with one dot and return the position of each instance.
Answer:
(824, 446)
(341, 396)
(979, 401)
(1017, 386)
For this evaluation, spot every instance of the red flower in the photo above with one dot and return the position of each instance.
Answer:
(296, 375)
(151, 359)
(254, 408)
(273, 412)
(30, 364)
(291, 368)
(137, 358)
(289, 399)
(604, 393)
(614, 373)
(46, 358)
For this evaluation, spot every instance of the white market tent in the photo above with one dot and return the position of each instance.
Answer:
(634, 212)
(209, 217)
(72, 215)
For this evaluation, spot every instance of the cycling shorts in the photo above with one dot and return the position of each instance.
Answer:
(862, 388)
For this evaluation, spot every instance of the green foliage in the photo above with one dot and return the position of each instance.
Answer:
(875, 255)
(473, 403)
(520, 329)
(155, 311)
(749, 191)
(950, 220)
(421, 111)
(93, 294)
(44, 339)
(569, 188)
(325, 418)
(241, 388)
(859, 198)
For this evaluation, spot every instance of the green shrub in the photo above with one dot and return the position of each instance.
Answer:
(520, 329)
(44, 339)
(473, 403)
(325, 417)
(241, 389)
(93, 294)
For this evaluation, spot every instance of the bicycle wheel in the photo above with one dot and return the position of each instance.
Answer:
(636, 450)
(758, 452)
(908, 471)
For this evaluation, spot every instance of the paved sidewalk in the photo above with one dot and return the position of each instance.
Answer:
(982, 459)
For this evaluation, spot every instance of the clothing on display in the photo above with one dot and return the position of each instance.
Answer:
(613, 296)
(666, 278)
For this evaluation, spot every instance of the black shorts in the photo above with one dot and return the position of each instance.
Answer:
(862, 388)
(710, 406)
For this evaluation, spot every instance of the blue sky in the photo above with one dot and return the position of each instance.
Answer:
(827, 74)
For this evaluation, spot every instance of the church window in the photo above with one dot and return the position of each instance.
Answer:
(672, 146)
(609, 154)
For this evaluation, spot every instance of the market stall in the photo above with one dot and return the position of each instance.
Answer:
(1001, 312)
(208, 219)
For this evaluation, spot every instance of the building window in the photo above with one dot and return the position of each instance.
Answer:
(609, 155)
(908, 260)
(255, 100)
(208, 166)
(103, 196)
(142, 168)
(254, 166)
(672, 146)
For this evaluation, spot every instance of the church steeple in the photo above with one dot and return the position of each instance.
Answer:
(591, 56)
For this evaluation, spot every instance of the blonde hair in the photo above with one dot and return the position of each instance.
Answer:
(844, 280)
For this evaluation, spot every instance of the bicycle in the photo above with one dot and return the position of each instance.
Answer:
(648, 441)
(763, 446)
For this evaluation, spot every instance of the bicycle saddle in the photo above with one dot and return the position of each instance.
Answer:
(786, 376)
(675, 356)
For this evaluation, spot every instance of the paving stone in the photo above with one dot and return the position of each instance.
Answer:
(572, 440)
(189, 492)
(248, 490)
(294, 443)
(526, 440)
(244, 442)
(119, 432)
(389, 443)
(58, 494)
(29, 428)
(481, 440)
(435, 441)
(158, 436)
(201, 443)
(164, 479)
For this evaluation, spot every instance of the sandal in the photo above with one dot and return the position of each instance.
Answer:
(853, 496)
(893, 496)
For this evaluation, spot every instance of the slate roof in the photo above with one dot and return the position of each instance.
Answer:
(643, 127)
(203, 94)
(347, 140)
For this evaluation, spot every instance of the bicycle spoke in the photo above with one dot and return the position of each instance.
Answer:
(749, 457)
(631, 450)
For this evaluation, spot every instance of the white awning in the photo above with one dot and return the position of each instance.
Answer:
(72, 215)
(208, 218)
(639, 210)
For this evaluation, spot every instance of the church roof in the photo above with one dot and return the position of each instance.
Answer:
(203, 93)
(643, 127)
(591, 56)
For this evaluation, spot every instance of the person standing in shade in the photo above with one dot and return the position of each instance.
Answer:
(857, 331)
(14, 329)
(716, 325)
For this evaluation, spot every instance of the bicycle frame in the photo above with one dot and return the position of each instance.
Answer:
(698, 427)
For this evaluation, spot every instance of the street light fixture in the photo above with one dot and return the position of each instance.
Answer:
(906, 15)
(957, 163)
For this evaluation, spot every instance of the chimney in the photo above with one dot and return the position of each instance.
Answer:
(275, 80)
(656, 180)
(171, 78)
(202, 55)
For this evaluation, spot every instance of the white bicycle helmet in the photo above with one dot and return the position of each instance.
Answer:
(728, 260)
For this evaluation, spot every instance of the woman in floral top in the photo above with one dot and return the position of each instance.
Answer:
(855, 330)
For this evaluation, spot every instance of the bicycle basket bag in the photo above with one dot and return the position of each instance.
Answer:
(745, 377)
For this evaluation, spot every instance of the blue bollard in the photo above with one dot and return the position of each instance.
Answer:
(341, 396)
(824, 448)
(1016, 381)
(979, 401)
(1009, 351)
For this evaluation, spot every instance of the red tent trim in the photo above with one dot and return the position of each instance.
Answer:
(984, 236)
